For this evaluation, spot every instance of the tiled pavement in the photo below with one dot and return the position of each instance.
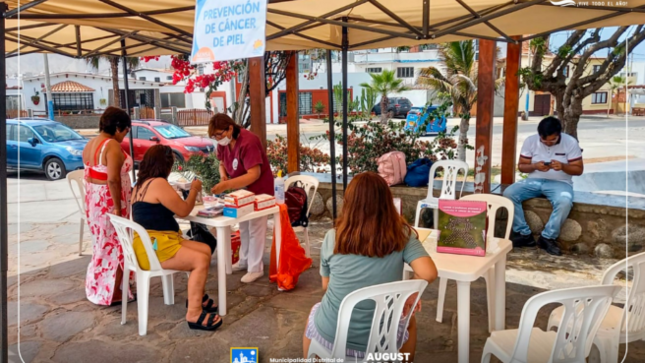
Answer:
(57, 323)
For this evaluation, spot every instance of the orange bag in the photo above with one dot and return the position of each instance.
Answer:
(293, 261)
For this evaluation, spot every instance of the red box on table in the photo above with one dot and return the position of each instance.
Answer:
(239, 198)
(264, 201)
(236, 243)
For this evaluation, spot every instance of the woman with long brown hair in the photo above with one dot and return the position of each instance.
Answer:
(154, 206)
(107, 190)
(369, 246)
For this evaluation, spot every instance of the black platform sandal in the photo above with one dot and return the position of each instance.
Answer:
(209, 323)
(209, 308)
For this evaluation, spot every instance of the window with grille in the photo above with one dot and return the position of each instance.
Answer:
(142, 78)
(565, 71)
(599, 98)
(73, 101)
(157, 79)
(374, 70)
(405, 72)
(305, 105)
(168, 78)
(596, 68)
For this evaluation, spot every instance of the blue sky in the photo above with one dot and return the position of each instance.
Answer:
(559, 38)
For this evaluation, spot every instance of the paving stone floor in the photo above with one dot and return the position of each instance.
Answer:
(51, 321)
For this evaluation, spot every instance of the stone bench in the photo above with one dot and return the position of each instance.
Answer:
(596, 225)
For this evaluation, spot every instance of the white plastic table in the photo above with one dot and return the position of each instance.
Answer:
(466, 269)
(223, 226)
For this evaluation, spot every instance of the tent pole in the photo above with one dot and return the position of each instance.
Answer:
(126, 101)
(345, 46)
(4, 342)
(332, 134)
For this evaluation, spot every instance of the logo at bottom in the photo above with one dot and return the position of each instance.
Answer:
(244, 355)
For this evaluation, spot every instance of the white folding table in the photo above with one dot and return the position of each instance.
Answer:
(466, 269)
(223, 226)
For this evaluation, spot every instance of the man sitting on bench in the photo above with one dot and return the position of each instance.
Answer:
(549, 158)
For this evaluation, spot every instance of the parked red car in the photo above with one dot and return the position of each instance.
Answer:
(153, 132)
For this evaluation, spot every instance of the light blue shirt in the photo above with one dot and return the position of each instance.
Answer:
(348, 273)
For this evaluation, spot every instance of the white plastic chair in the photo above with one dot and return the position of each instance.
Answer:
(124, 229)
(390, 300)
(77, 177)
(308, 183)
(495, 202)
(621, 325)
(448, 189)
(584, 308)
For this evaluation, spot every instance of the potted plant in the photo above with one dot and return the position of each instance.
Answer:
(103, 102)
(319, 108)
(36, 98)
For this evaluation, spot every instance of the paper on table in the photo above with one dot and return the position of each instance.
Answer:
(423, 234)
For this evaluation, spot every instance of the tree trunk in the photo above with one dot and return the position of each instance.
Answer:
(384, 113)
(559, 105)
(463, 137)
(114, 66)
(238, 113)
(611, 96)
(571, 117)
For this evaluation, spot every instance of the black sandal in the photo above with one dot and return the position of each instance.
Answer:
(118, 303)
(209, 308)
(209, 323)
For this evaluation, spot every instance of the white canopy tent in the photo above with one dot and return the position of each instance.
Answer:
(82, 28)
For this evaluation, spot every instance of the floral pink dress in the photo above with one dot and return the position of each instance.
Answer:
(107, 254)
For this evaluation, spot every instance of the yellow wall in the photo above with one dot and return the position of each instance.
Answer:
(586, 103)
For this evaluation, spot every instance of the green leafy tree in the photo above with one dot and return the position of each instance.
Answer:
(459, 81)
(564, 71)
(95, 61)
(384, 84)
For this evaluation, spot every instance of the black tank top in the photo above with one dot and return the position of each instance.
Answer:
(153, 216)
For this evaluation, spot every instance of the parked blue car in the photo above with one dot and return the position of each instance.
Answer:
(44, 145)
(416, 118)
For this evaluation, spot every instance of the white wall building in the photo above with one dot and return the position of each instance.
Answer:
(78, 91)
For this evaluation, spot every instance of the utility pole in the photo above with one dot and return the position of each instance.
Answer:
(48, 90)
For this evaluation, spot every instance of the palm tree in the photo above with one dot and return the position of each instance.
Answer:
(133, 62)
(384, 84)
(459, 81)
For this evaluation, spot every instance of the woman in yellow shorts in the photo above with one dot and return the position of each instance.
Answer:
(154, 206)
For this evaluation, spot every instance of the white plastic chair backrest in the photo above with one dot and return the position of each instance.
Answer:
(584, 309)
(308, 183)
(124, 230)
(77, 177)
(450, 170)
(633, 319)
(495, 202)
(390, 300)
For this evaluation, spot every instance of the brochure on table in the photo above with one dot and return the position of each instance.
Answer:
(462, 226)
